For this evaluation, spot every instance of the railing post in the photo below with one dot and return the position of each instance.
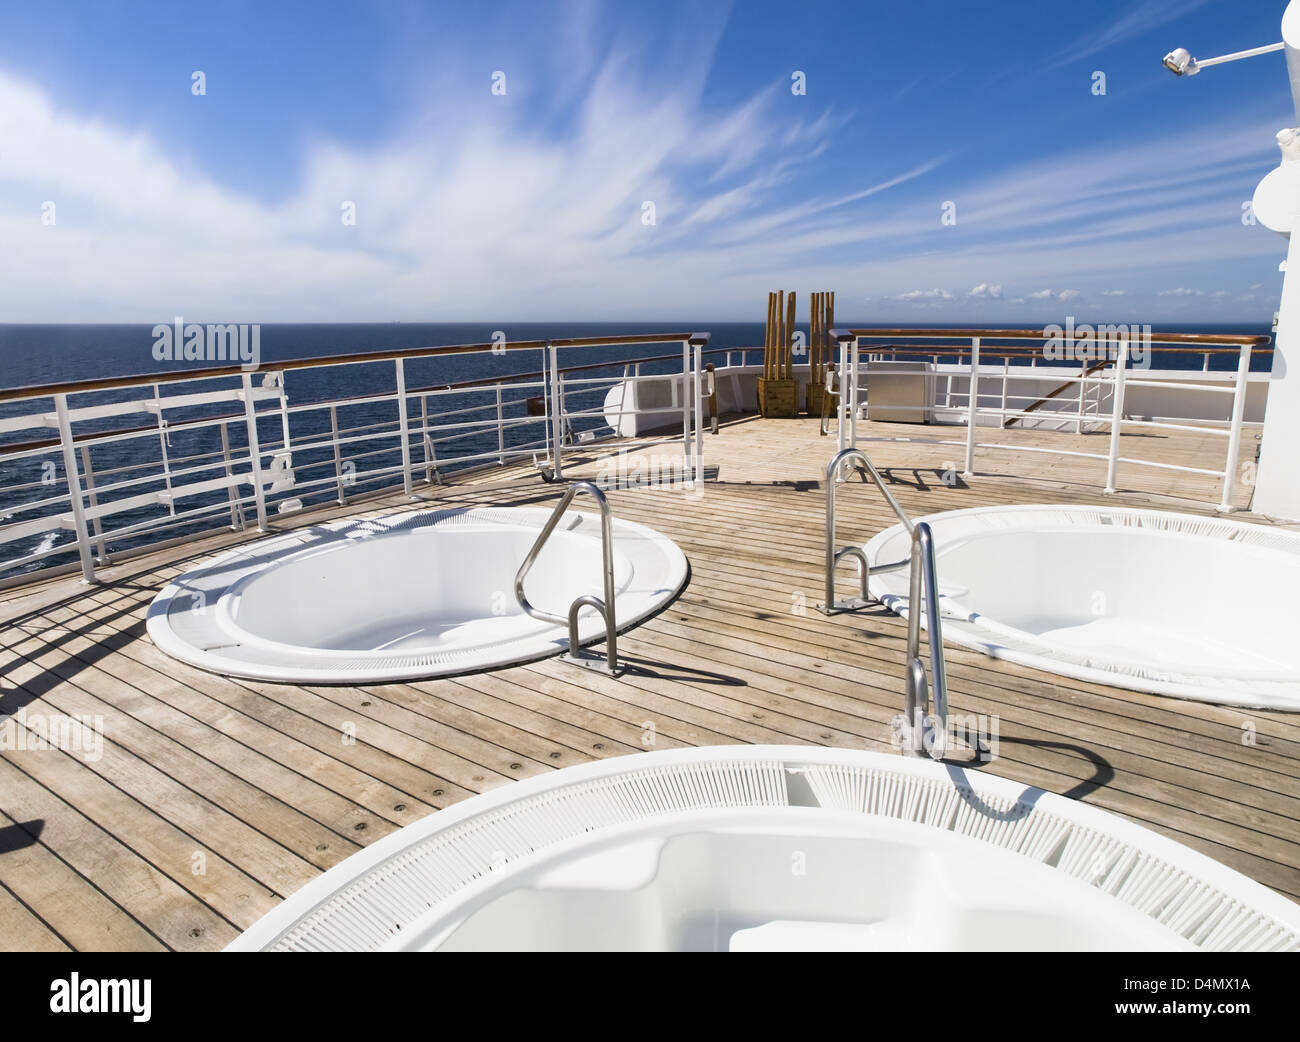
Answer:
(1116, 416)
(74, 487)
(1234, 432)
(338, 457)
(557, 411)
(254, 450)
(699, 417)
(853, 385)
(89, 472)
(236, 511)
(1083, 383)
(501, 432)
(972, 415)
(403, 428)
(162, 452)
(686, 405)
(426, 442)
(842, 341)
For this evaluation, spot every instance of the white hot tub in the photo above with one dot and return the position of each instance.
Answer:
(419, 594)
(746, 848)
(1195, 607)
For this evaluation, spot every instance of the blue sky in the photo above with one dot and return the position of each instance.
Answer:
(1122, 206)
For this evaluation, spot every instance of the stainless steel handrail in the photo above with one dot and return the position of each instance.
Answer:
(833, 556)
(918, 708)
(604, 606)
(923, 580)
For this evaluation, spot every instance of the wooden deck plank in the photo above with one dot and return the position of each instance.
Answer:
(277, 794)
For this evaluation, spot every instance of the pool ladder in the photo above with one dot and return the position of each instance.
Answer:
(918, 731)
(605, 606)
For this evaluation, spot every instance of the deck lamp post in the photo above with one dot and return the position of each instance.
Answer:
(1276, 205)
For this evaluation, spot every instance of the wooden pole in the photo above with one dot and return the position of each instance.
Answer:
(780, 331)
(767, 333)
(814, 336)
(789, 341)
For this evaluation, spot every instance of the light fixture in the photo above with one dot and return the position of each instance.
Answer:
(1181, 63)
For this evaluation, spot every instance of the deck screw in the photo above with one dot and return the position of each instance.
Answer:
(359, 826)
(599, 745)
(437, 792)
(399, 806)
(197, 932)
(555, 756)
(515, 766)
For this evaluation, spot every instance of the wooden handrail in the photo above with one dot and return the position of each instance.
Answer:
(1025, 352)
(1037, 334)
(109, 383)
(487, 381)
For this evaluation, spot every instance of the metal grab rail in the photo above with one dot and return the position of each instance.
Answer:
(605, 606)
(923, 580)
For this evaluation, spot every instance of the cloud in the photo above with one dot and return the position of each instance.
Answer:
(1181, 291)
(511, 216)
(499, 221)
(1141, 18)
(925, 295)
(1114, 293)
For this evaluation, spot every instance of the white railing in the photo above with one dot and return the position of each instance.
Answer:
(220, 444)
(1098, 402)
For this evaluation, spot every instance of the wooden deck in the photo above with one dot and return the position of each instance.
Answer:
(216, 798)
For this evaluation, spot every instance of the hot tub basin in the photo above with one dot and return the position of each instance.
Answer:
(419, 594)
(775, 847)
(1194, 607)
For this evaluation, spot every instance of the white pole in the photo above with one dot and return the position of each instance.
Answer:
(557, 410)
(403, 428)
(972, 412)
(699, 413)
(686, 404)
(853, 398)
(74, 487)
(1234, 434)
(842, 398)
(1083, 373)
(254, 451)
(501, 432)
(1116, 416)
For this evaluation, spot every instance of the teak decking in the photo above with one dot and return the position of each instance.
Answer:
(216, 798)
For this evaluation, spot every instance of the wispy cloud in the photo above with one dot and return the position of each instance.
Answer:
(1140, 19)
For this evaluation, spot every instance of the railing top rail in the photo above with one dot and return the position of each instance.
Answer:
(210, 372)
(1254, 340)
(1017, 351)
(651, 338)
(325, 403)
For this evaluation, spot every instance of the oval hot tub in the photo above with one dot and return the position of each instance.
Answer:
(747, 848)
(420, 594)
(1195, 607)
